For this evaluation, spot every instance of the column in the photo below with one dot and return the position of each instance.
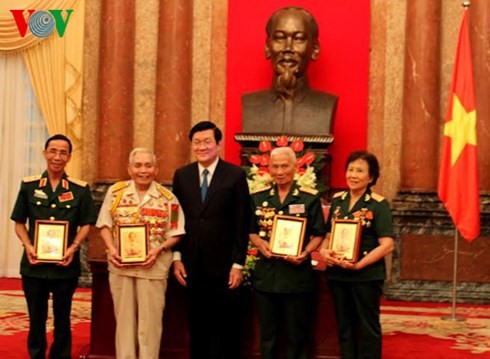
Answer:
(173, 86)
(479, 20)
(421, 114)
(116, 79)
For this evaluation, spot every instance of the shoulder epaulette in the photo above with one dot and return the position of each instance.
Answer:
(119, 186)
(309, 190)
(262, 189)
(165, 192)
(32, 178)
(339, 194)
(377, 197)
(77, 181)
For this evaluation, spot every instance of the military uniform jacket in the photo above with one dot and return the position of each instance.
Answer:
(275, 275)
(375, 215)
(71, 201)
(160, 209)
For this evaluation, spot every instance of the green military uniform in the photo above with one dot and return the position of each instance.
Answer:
(72, 202)
(285, 291)
(357, 293)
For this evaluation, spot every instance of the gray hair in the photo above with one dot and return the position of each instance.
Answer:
(288, 151)
(142, 150)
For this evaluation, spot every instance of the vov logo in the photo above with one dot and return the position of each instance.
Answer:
(41, 23)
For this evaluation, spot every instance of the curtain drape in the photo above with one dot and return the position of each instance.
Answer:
(36, 76)
(22, 137)
(55, 69)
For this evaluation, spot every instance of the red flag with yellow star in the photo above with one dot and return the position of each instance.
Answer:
(458, 175)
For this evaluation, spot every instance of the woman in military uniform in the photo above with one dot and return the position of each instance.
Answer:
(138, 292)
(285, 285)
(357, 287)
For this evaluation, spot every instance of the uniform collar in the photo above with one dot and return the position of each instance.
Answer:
(152, 190)
(366, 197)
(64, 183)
(292, 195)
(362, 202)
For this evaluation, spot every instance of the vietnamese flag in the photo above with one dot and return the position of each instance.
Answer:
(458, 175)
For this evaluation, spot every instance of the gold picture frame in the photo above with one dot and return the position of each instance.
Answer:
(132, 243)
(288, 233)
(50, 240)
(345, 239)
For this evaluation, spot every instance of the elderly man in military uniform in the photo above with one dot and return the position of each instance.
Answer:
(285, 286)
(138, 291)
(52, 196)
(290, 106)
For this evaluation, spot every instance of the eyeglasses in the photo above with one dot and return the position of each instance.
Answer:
(205, 143)
(53, 153)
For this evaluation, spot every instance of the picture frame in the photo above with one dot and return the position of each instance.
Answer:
(288, 233)
(50, 240)
(132, 242)
(345, 239)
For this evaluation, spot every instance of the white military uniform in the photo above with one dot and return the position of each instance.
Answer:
(139, 293)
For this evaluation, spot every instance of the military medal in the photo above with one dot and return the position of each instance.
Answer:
(39, 193)
(67, 196)
(174, 215)
(296, 208)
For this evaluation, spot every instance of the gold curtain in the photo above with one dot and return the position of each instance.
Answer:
(55, 69)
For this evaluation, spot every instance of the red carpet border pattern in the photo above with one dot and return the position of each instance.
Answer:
(471, 336)
(13, 311)
(410, 330)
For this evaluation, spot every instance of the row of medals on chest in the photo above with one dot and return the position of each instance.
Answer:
(157, 223)
(266, 219)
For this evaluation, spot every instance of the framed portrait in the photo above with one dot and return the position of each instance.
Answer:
(50, 240)
(345, 239)
(288, 233)
(132, 242)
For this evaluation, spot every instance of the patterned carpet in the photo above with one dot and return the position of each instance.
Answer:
(14, 321)
(418, 330)
(410, 330)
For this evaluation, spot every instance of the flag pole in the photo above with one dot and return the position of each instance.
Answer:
(453, 317)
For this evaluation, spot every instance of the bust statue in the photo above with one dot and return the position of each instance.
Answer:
(290, 106)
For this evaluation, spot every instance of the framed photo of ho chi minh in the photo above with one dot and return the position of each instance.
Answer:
(50, 240)
(345, 239)
(288, 234)
(132, 242)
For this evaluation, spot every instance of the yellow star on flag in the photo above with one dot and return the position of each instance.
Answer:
(461, 129)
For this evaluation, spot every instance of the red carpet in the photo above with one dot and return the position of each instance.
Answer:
(410, 330)
(14, 321)
(417, 330)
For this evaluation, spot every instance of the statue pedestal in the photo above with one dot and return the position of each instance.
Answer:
(249, 143)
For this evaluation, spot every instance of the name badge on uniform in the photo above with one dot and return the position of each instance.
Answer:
(39, 193)
(67, 196)
(296, 208)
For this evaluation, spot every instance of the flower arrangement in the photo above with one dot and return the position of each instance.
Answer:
(249, 266)
(258, 177)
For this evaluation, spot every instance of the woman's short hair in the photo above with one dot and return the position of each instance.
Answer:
(371, 160)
